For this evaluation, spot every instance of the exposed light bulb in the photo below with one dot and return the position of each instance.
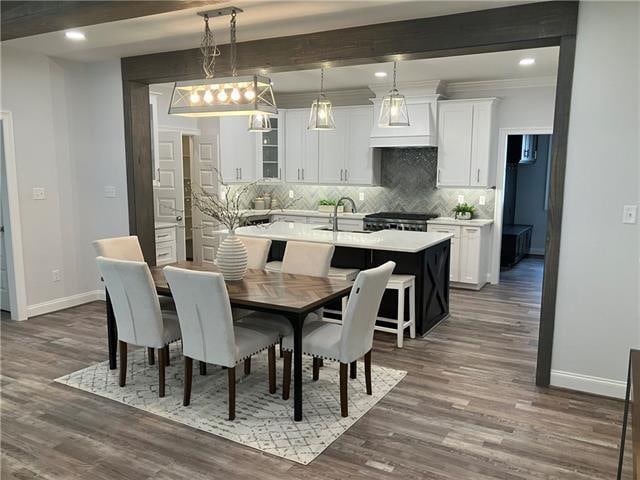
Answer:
(235, 94)
(258, 117)
(194, 97)
(249, 94)
(321, 113)
(222, 95)
(394, 110)
(208, 96)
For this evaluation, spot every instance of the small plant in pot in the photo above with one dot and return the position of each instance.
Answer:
(464, 211)
(327, 205)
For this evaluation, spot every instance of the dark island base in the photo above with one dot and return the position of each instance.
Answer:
(430, 267)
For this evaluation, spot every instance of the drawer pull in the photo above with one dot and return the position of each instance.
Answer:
(163, 254)
(165, 235)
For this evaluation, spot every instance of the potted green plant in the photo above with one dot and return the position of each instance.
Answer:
(327, 206)
(464, 211)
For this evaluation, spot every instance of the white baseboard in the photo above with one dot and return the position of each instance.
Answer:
(589, 384)
(64, 302)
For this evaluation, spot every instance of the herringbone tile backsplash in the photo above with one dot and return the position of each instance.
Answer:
(408, 185)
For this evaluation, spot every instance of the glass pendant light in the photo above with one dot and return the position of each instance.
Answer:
(214, 97)
(393, 111)
(259, 123)
(321, 117)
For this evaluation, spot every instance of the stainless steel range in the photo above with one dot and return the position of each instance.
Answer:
(416, 222)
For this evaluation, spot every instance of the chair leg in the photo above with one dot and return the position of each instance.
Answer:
(167, 356)
(367, 371)
(316, 368)
(286, 375)
(272, 368)
(412, 311)
(203, 368)
(123, 362)
(188, 376)
(247, 366)
(353, 369)
(162, 357)
(152, 356)
(231, 374)
(344, 409)
(400, 327)
(321, 362)
(281, 351)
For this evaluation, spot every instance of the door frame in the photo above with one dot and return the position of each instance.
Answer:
(499, 194)
(15, 256)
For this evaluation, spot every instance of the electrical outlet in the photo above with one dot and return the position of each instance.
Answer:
(460, 198)
(109, 191)
(290, 193)
(629, 213)
(482, 200)
(361, 196)
(55, 275)
(38, 193)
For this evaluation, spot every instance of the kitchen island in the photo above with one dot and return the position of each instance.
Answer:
(423, 254)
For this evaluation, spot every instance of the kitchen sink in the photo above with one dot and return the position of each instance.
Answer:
(330, 229)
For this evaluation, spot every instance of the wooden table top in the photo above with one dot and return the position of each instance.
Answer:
(269, 290)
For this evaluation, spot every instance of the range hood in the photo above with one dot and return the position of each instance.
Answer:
(422, 104)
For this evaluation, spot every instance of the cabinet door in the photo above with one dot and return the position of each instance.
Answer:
(270, 151)
(237, 150)
(470, 250)
(309, 173)
(455, 122)
(359, 164)
(481, 145)
(333, 149)
(454, 260)
(294, 145)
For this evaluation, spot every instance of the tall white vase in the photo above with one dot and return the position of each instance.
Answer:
(232, 258)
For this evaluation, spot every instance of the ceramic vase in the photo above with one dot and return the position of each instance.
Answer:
(463, 216)
(232, 258)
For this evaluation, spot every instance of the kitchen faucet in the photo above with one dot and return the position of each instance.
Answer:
(335, 211)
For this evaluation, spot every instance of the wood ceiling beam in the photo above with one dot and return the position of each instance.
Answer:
(26, 18)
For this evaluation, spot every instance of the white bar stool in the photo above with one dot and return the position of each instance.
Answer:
(401, 283)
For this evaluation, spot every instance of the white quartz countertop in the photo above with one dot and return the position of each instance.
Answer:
(389, 240)
(475, 222)
(301, 213)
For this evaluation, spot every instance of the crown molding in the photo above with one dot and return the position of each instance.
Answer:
(410, 89)
(493, 85)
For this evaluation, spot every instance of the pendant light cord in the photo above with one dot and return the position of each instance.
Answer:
(232, 47)
(321, 81)
(395, 68)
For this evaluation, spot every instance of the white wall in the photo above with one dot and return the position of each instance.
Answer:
(597, 316)
(69, 139)
(170, 121)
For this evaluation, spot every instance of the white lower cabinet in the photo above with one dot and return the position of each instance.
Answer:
(470, 254)
(166, 245)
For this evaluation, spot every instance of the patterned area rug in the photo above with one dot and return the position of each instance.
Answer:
(263, 421)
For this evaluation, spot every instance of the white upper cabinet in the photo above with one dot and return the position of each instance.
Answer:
(270, 151)
(333, 149)
(237, 150)
(466, 143)
(301, 148)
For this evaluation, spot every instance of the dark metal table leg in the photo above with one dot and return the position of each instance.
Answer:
(296, 323)
(112, 332)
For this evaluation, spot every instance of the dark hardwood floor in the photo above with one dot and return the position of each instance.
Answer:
(468, 408)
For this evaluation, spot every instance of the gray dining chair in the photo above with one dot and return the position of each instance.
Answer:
(138, 316)
(208, 331)
(346, 342)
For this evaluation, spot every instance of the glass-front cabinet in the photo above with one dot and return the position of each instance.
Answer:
(270, 151)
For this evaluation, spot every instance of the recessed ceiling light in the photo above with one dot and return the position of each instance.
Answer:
(380, 74)
(527, 61)
(74, 35)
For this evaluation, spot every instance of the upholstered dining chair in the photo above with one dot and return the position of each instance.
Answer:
(208, 332)
(128, 248)
(301, 258)
(136, 307)
(257, 251)
(346, 342)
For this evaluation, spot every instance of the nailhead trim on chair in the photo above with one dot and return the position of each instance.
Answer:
(255, 353)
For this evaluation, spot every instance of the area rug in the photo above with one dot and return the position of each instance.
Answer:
(263, 421)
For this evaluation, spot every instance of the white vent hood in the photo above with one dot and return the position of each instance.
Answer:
(422, 104)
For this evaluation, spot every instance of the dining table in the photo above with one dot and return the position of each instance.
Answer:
(290, 295)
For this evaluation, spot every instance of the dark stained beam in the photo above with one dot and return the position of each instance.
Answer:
(523, 26)
(26, 18)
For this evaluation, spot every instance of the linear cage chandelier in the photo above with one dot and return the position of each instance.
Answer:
(214, 97)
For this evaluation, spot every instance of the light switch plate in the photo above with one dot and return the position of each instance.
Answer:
(290, 193)
(482, 200)
(361, 196)
(38, 193)
(109, 191)
(55, 275)
(460, 198)
(629, 213)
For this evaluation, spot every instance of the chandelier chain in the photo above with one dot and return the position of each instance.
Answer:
(322, 81)
(395, 68)
(209, 50)
(232, 46)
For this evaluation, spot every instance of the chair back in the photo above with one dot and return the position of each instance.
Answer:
(257, 251)
(120, 248)
(134, 300)
(204, 313)
(307, 258)
(362, 310)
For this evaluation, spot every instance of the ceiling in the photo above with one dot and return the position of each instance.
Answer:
(261, 19)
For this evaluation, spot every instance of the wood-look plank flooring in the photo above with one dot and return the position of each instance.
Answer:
(468, 408)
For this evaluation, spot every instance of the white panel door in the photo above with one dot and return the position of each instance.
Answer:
(333, 149)
(203, 166)
(454, 143)
(237, 150)
(5, 302)
(169, 194)
(359, 160)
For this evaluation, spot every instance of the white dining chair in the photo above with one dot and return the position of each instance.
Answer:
(208, 331)
(257, 251)
(348, 342)
(136, 307)
(300, 258)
